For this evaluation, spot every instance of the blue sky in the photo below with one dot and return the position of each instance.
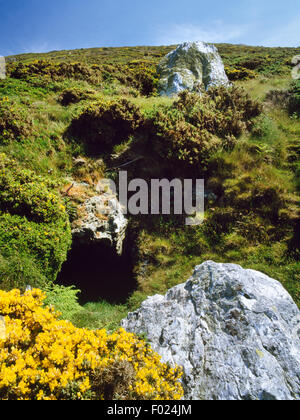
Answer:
(45, 25)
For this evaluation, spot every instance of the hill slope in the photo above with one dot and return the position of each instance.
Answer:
(53, 107)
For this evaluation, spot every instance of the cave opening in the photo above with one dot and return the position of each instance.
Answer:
(99, 272)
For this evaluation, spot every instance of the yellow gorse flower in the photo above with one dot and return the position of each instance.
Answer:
(44, 358)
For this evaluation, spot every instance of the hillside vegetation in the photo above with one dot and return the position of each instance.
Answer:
(101, 105)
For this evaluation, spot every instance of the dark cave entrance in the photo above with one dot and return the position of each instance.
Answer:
(99, 272)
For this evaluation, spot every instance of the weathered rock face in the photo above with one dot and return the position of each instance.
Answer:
(234, 331)
(195, 66)
(101, 219)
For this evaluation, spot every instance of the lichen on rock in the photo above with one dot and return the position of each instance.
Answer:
(195, 66)
(99, 217)
(234, 331)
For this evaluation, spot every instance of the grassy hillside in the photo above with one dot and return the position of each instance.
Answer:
(55, 108)
(262, 58)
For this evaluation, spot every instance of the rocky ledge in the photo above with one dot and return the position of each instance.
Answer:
(234, 331)
(99, 216)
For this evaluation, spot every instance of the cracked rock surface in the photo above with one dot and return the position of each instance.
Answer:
(236, 333)
(195, 66)
(101, 219)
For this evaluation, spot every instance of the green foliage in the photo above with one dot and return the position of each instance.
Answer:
(105, 124)
(15, 122)
(141, 75)
(26, 194)
(294, 100)
(100, 315)
(239, 73)
(194, 127)
(221, 111)
(19, 269)
(92, 315)
(261, 60)
(20, 90)
(73, 96)
(257, 60)
(179, 141)
(34, 228)
(288, 98)
(138, 74)
(54, 71)
(63, 299)
(255, 176)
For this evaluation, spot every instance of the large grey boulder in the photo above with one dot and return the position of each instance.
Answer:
(195, 66)
(234, 331)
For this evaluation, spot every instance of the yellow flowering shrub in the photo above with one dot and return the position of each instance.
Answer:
(43, 358)
(240, 73)
(15, 121)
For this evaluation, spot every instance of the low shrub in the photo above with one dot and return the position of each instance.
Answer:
(194, 127)
(20, 269)
(288, 99)
(294, 101)
(187, 132)
(138, 74)
(105, 124)
(72, 96)
(179, 141)
(26, 194)
(42, 358)
(141, 75)
(15, 122)
(256, 200)
(55, 71)
(34, 226)
(240, 73)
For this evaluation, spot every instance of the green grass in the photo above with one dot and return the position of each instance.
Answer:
(269, 156)
(263, 60)
(97, 315)
(258, 88)
(100, 315)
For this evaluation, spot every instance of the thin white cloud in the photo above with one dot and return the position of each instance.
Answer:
(217, 32)
(42, 47)
(288, 35)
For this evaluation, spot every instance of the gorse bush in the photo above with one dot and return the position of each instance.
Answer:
(239, 73)
(73, 96)
(42, 358)
(294, 100)
(55, 71)
(34, 226)
(118, 61)
(15, 122)
(26, 194)
(194, 127)
(105, 124)
(179, 141)
(20, 268)
(140, 75)
(257, 200)
(186, 132)
(137, 74)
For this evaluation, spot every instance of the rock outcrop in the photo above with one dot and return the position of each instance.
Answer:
(234, 331)
(195, 66)
(100, 218)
